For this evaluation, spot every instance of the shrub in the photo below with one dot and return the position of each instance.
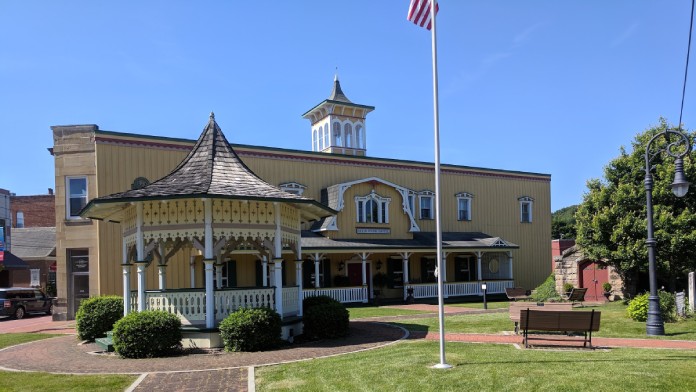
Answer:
(638, 307)
(317, 300)
(97, 315)
(606, 286)
(567, 287)
(546, 291)
(326, 320)
(251, 330)
(147, 334)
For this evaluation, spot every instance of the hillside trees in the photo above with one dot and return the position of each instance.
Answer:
(611, 221)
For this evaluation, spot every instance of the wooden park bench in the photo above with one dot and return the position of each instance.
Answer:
(559, 321)
(517, 293)
(517, 307)
(575, 296)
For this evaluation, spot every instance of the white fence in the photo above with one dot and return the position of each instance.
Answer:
(340, 294)
(291, 300)
(458, 289)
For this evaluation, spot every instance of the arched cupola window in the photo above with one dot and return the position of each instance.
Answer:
(348, 130)
(336, 130)
(359, 137)
(315, 140)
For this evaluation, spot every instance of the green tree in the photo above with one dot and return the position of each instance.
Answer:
(563, 223)
(612, 222)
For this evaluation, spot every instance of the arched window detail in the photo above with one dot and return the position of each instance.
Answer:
(526, 204)
(372, 208)
(359, 137)
(348, 130)
(326, 140)
(464, 206)
(315, 140)
(337, 137)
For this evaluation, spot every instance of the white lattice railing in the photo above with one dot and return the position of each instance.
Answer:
(228, 301)
(189, 305)
(340, 294)
(291, 301)
(457, 289)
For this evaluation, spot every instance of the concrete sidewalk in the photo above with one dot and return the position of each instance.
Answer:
(36, 324)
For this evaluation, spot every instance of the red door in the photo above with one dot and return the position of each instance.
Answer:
(355, 274)
(592, 276)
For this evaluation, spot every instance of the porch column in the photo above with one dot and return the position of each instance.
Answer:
(141, 284)
(162, 273)
(126, 278)
(478, 266)
(316, 272)
(298, 280)
(404, 257)
(218, 271)
(264, 271)
(209, 294)
(278, 272)
(510, 264)
(278, 261)
(445, 293)
(363, 258)
(192, 265)
(209, 261)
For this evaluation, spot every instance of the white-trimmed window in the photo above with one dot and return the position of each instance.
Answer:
(372, 208)
(359, 137)
(348, 130)
(426, 203)
(337, 137)
(412, 202)
(464, 206)
(293, 187)
(20, 219)
(336, 130)
(75, 196)
(526, 204)
(315, 140)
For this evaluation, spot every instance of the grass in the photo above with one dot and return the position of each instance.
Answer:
(376, 311)
(486, 367)
(23, 381)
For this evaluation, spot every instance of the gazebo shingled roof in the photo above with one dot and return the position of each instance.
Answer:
(211, 169)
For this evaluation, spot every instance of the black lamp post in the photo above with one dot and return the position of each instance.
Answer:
(678, 149)
(483, 288)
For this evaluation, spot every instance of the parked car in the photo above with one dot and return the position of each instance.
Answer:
(19, 301)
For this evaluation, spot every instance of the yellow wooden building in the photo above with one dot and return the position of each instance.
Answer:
(380, 241)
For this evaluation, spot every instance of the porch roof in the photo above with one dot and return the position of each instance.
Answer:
(420, 241)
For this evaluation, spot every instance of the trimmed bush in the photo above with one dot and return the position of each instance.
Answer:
(567, 287)
(325, 320)
(546, 291)
(317, 300)
(638, 307)
(97, 315)
(251, 330)
(147, 334)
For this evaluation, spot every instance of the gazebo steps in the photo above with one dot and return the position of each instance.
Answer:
(106, 343)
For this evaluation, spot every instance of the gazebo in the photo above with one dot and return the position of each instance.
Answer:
(214, 203)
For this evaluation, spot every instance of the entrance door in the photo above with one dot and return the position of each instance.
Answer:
(80, 290)
(355, 275)
(592, 275)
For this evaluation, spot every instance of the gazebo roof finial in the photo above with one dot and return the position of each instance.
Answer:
(212, 115)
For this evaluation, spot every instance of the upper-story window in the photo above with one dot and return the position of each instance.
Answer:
(464, 206)
(348, 130)
(426, 204)
(336, 130)
(526, 204)
(315, 140)
(359, 137)
(76, 196)
(372, 208)
(293, 187)
(412, 202)
(20, 219)
(337, 137)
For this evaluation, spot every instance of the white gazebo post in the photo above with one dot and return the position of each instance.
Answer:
(264, 271)
(140, 249)
(162, 268)
(278, 261)
(209, 261)
(126, 279)
(510, 264)
(298, 279)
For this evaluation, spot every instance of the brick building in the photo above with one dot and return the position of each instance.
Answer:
(33, 210)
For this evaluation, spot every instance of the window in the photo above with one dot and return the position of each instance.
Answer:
(348, 130)
(20, 219)
(464, 206)
(372, 208)
(359, 137)
(337, 137)
(426, 205)
(76, 195)
(336, 131)
(315, 140)
(395, 273)
(526, 203)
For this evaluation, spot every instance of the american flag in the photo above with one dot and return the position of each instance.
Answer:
(419, 12)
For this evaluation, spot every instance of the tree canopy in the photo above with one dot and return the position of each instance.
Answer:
(612, 221)
(563, 223)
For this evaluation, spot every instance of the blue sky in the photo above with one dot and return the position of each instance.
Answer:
(540, 86)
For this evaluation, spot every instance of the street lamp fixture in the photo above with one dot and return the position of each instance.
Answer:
(680, 186)
(483, 288)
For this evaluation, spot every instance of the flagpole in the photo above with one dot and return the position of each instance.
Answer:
(438, 230)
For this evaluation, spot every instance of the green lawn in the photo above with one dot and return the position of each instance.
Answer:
(376, 311)
(406, 366)
(21, 381)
